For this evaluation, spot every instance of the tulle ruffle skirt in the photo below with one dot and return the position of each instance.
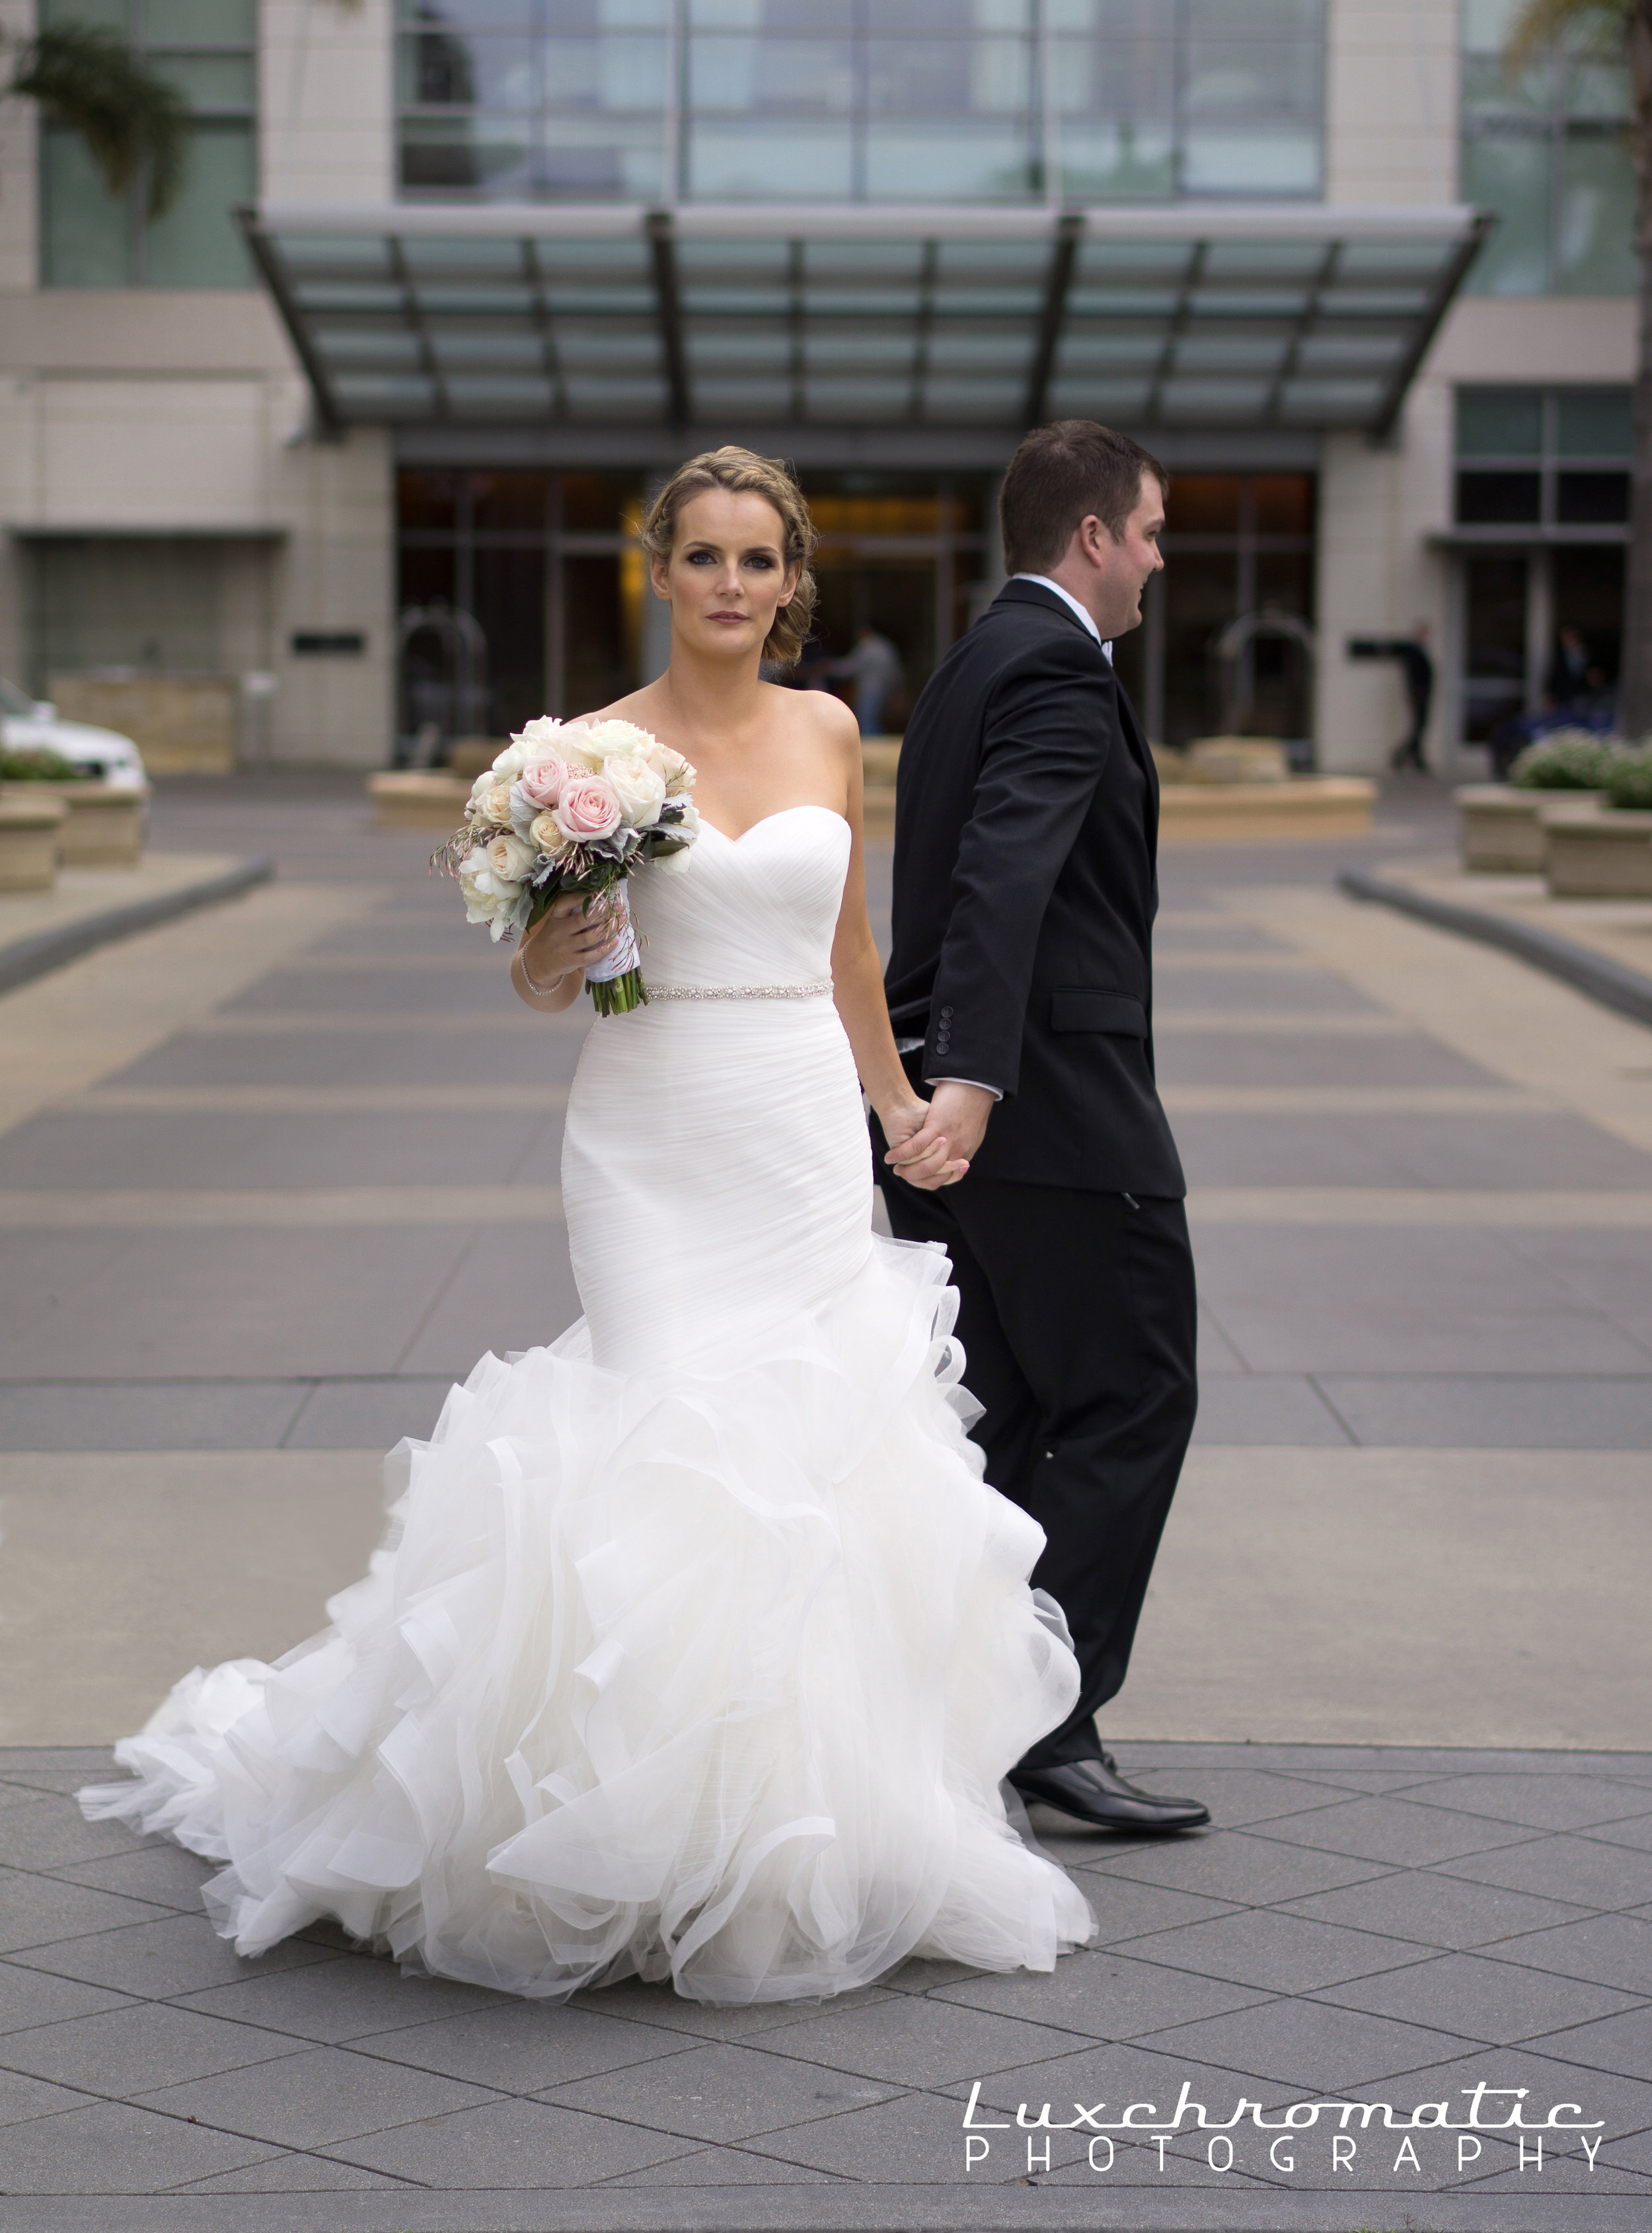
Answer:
(709, 1674)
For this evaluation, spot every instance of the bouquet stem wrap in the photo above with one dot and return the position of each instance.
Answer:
(615, 981)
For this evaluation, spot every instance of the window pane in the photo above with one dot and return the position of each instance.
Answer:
(107, 15)
(1596, 423)
(210, 80)
(1285, 506)
(1498, 499)
(1203, 504)
(1595, 246)
(1509, 173)
(1591, 499)
(1499, 422)
(86, 230)
(198, 242)
(199, 23)
(1277, 161)
(1116, 162)
(739, 158)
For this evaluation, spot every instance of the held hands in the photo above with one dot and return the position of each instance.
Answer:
(565, 939)
(931, 1143)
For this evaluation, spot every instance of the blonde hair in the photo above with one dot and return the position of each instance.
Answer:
(744, 473)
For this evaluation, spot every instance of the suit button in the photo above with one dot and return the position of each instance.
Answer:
(946, 1015)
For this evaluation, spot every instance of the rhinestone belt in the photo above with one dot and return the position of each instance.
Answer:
(811, 990)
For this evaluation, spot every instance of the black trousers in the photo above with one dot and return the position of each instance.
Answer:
(1078, 1320)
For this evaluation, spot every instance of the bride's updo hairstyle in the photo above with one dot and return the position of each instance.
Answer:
(744, 473)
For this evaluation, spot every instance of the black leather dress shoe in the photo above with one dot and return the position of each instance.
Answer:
(1094, 1791)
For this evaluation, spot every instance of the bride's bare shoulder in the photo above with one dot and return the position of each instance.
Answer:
(825, 721)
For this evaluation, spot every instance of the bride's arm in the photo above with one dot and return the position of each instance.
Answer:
(857, 988)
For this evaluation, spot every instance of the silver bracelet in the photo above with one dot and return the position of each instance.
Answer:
(539, 991)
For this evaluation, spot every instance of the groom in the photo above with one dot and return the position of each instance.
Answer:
(1021, 991)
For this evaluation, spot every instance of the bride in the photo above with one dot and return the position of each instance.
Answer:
(698, 1647)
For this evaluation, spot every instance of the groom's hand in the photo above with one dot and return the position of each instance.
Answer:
(939, 1149)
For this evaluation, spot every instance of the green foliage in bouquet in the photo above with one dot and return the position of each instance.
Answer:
(36, 764)
(1629, 781)
(1570, 759)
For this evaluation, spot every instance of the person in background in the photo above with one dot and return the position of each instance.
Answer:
(874, 666)
(1569, 674)
(1412, 652)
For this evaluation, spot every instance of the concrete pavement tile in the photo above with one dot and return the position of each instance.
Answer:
(1584, 1871)
(1107, 1995)
(722, 2167)
(1636, 1835)
(1331, 1300)
(314, 2099)
(413, 1057)
(1623, 2100)
(1251, 1056)
(369, 1414)
(184, 1148)
(1520, 1149)
(1304, 2043)
(163, 1874)
(1275, 1952)
(1434, 1911)
(51, 1833)
(720, 2092)
(1571, 2174)
(498, 1299)
(335, 1998)
(658, 2006)
(159, 1958)
(1494, 1410)
(125, 2050)
(112, 2148)
(23, 2098)
(281, 2172)
(917, 1976)
(1270, 1410)
(198, 1303)
(1607, 1949)
(36, 1913)
(1604, 1268)
(1238, 1866)
(415, 993)
(511, 2145)
(30, 1996)
(168, 1415)
(524, 2049)
(1620, 2043)
(1145, 2078)
(1479, 1999)
(1263, 991)
(1125, 1910)
(1542, 1802)
(914, 2139)
(936, 2039)
(1240, 1797)
(1216, 1353)
(1397, 1830)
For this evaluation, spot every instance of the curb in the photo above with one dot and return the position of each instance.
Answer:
(1626, 991)
(50, 949)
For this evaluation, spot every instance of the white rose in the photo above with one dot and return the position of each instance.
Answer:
(639, 788)
(674, 863)
(493, 805)
(544, 834)
(542, 735)
(680, 775)
(686, 821)
(492, 899)
(511, 761)
(509, 860)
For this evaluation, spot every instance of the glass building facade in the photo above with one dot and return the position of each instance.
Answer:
(1000, 100)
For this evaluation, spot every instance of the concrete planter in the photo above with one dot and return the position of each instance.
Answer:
(1500, 829)
(29, 839)
(1595, 853)
(419, 799)
(1249, 813)
(182, 724)
(103, 824)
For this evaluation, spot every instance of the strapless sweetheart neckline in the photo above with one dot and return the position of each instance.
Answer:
(804, 806)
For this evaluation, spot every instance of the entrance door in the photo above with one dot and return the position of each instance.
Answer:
(1494, 642)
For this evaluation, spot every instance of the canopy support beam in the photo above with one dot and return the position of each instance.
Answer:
(668, 304)
(1063, 257)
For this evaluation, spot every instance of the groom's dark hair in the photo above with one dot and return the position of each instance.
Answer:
(1059, 476)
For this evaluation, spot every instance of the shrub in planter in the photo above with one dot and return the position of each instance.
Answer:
(1570, 759)
(1628, 780)
(37, 763)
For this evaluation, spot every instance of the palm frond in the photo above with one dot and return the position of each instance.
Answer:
(1594, 30)
(90, 81)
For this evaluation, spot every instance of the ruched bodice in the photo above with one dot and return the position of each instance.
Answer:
(698, 1647)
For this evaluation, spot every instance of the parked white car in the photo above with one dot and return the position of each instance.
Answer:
(32, 725)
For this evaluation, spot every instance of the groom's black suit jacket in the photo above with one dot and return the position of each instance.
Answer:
(1026, 828)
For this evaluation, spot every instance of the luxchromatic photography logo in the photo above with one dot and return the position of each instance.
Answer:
(1318, 2136)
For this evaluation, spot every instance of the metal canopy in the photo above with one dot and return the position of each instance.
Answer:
(605, 315)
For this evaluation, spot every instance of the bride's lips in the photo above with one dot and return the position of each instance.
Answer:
(728, 616)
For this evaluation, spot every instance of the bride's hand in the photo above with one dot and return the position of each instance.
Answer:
(567, 938)
(918, 1154)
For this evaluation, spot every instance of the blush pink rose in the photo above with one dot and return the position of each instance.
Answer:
(543, 780)
(587, 810)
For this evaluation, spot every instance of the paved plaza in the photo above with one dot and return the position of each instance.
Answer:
(272, 1176)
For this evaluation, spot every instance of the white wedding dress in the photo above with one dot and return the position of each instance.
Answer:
(698, 1647)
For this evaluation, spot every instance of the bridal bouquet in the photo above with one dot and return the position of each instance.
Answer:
(573, 807)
